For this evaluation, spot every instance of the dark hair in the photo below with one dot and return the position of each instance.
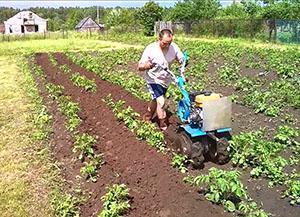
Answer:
(165, 32)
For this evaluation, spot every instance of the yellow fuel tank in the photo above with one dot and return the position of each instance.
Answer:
(199, 99)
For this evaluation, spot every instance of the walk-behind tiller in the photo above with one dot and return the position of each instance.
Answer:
(205, 123)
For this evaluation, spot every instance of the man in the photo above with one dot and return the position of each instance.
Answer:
(163, 52)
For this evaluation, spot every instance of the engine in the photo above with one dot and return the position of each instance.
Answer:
(196, 110)
(196, 115)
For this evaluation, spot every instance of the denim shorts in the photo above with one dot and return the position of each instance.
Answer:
(156, 90)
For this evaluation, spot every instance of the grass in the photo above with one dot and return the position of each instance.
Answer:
(241, 41)
(55, 45)
(24, 165)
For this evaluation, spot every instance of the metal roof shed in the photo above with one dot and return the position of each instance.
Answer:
(88, 24)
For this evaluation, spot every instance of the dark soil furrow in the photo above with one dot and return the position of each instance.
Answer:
(156, 188)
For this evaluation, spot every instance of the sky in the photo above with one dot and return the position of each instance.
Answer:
(66, 3)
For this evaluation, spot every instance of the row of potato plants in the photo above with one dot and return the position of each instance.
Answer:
(77, 79)
(270, 99)
(64, 204)
(104, 66)
(264, 157)
(115, 201)
(143, 129)
(84, 144)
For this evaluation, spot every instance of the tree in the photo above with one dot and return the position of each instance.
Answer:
(120, 16)
(195, 10)
(233, 11)
(148, 15)
(73, 18)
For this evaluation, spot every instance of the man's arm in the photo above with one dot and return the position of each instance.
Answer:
(145, 62)
(145, 66)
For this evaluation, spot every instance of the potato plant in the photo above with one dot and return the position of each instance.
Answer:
(82, 81)
(225, 187)
(70, 110)
(84, 144)
(55, 91)
(180, 161)
(65, 68)
(66, 205)
(115, 201)
(91, 167)
(228, 73)
(293, 188)
(52, 59)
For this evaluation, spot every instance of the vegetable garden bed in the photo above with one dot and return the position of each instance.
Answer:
(155, 188)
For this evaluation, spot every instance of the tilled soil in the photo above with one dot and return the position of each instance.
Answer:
(156, 189)
(150, 195)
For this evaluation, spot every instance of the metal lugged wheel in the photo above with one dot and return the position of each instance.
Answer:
(222, 152)
(194, 150)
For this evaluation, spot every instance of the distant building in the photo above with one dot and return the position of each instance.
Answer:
(25, 22)
(2, 28)
(88, 24)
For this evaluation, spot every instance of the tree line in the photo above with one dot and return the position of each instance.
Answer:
(183, 11)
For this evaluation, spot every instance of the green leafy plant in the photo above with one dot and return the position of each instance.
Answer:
(225, 187)
(65, 68)
(228, 73)
(55, 91)
(286, 134)
(82, 81)
(70, 109)
(144, 130)
(115, 201)
(180, 161)
(91, 167)
(66, 205)
(52, 59)
(293, 189)
(84, 144)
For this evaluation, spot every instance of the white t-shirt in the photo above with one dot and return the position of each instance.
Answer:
(154, 53)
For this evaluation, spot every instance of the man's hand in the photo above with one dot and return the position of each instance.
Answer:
(146, 66)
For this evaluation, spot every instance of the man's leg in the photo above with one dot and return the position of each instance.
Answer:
(161, 113)
(150, 110)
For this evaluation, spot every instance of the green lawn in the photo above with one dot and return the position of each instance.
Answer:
(24, 183)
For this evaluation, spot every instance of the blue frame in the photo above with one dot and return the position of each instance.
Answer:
(195, 131)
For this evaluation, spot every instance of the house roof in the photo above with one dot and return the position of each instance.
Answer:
(25, 14)
(88, 22)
